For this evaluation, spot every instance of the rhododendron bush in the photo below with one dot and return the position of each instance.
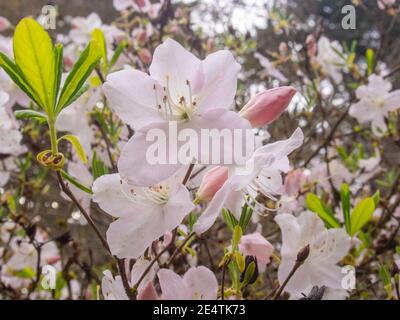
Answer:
(181, 151)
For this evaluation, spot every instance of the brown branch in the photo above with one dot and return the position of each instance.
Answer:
(177, 250)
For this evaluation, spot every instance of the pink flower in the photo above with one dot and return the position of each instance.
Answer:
(198, 283)
(145, 55)
(311, 45)
(383, 4)
(267, 105)
(294, 180)
(257, 246)
(260, 175)
(148, 293)
(182, 90)
(212, 181)
(4, 24)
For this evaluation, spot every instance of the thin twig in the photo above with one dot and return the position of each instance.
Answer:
(177, 250)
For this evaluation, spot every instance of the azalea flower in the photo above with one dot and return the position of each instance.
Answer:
(83, 27)
(376, 101)
(329, 59)
(143, 214)
(198, 283)
(182, 89)
(327, 248)
(10, 137)
(112, 288)
(260, 180)
(152, 9)
(256, 245)
(269, 68)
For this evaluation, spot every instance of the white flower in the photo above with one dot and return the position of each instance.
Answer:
(112, 288)
(10, 137)
(144, 213)
(198, 283)
(260, 178)
(269, 68)
(376, 101)
(327, 248)
(328, 58)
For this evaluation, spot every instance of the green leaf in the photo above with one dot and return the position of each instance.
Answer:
(229, 219)
(245, 217)
(384, 274)
(248, 274)
(34, 55)
(237, 234)
(30, 114)
(16, 75)
(117, 53)
(11, 203)
(98, 36)
(376, 197)
(361, 214)
(369, 56)
(77, 95)
(345, 199)
(98, 167)
(319, 207)
(75, 182)
(77, 146)
(59, 65)
(192, 218)
(80, 72)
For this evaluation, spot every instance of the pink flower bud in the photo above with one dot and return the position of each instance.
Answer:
(210, 44)
(311, 46)
(145, 55)
(148, 292)
(4, 24)
(267, 106)
(141, 3)
(212, 181)
(256, 245)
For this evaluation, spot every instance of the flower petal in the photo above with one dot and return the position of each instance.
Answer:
(132, 94)
(202, 282)
(220, 81)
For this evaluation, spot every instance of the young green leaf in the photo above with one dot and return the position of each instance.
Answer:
(77, 146)
(98, 36)
(237, 234)
(369, 56)
(245, 217)
(75, 182)
(34, 55)
(121, 46)
(316, 205)
(376, 197)
(345, 199)
(79, 74)
(59, 65)
(30, 114)
(229, 219)
(361, 214)
(98, 167)
(248, 274)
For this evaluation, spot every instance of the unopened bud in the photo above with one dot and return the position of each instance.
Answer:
(267, 106)
(303, 254)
